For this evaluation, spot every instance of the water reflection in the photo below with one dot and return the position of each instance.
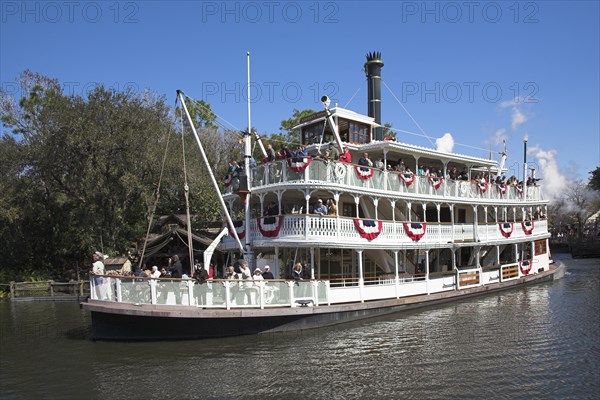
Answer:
(538, 341)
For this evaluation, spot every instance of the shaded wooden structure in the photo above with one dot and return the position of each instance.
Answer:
(169, 237)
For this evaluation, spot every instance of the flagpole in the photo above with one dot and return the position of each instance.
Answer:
(525, 166)
(247, 156)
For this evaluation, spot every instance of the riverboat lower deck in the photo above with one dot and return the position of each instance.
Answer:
(129, 320)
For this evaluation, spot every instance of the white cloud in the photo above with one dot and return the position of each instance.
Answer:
(511, 103)
(445, 143)
(517, 118)
(554, 182)
(499, 137)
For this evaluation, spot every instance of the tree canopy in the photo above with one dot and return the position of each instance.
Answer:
(79, 174)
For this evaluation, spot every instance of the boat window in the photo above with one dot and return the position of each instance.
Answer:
(311, 134)
(359, 133)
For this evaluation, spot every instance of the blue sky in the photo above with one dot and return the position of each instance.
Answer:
(482, 71)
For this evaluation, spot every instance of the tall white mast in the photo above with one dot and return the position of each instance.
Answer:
(247, 156)
(207, 164)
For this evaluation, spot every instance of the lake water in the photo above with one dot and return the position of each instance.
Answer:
(541, 341)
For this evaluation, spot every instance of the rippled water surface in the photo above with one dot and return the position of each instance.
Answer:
(541, 341)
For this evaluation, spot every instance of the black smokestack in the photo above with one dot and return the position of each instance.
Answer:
(373, 71)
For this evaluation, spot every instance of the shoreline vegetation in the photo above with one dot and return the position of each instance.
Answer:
(80, 174)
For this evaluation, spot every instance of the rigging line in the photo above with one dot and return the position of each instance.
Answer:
(431, 137)
(217, 115)
(406, 111)
(353, 96)
(162, 169)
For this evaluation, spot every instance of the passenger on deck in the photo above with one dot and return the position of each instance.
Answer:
(420, 170)
(284, 153)
(98, 269)
(272, 209)
(365, 161)
(302, 152)
(331, 207)
(176, 269)
(380, 164)
(400, 167)
(297, 272)
(267, 274)
(164, 273)
(320, 208)
(155, 272)
(334, 153)
(346, 157)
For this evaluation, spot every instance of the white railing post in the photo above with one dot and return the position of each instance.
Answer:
(327, 292)
(190, 285)
(119, 295)
(227, 295)
(397, 277)
(291, 285)
(316, 292)
(153, 295)
(261, 294)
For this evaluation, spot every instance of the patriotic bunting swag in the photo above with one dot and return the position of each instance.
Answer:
(415, 230)
(525, 266)
(364, 172)
(501, 188)
(527, 227)
(367, 228)
(299, 163)
(269, 226)
(506, 228)
(435, 181)
(482, 186)
(407, 177)
(239, 229)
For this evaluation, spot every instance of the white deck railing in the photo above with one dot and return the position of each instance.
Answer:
(235, 294)
(339, 230)
(332, 172)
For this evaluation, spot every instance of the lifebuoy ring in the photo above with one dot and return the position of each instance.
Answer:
(339, 172)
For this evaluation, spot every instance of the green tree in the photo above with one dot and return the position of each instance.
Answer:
(388, 133)
(287, 125)
(79, 172)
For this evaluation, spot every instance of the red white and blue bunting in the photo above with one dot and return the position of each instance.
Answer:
(270, 226)
(368, 228)
(364, 172)
(239, 229)
(483, 186)
(525, 266)
(415, 230)
(436, 182)
(407, 177)
(527, 227)
(299, 163)
(501, 188)
(506, 228)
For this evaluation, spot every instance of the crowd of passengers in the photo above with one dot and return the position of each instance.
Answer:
(330, 152)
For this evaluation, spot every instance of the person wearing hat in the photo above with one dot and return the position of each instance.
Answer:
(320, 209)
(257, 275)
(267, 274)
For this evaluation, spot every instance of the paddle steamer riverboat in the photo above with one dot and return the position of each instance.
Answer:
(394, 239)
